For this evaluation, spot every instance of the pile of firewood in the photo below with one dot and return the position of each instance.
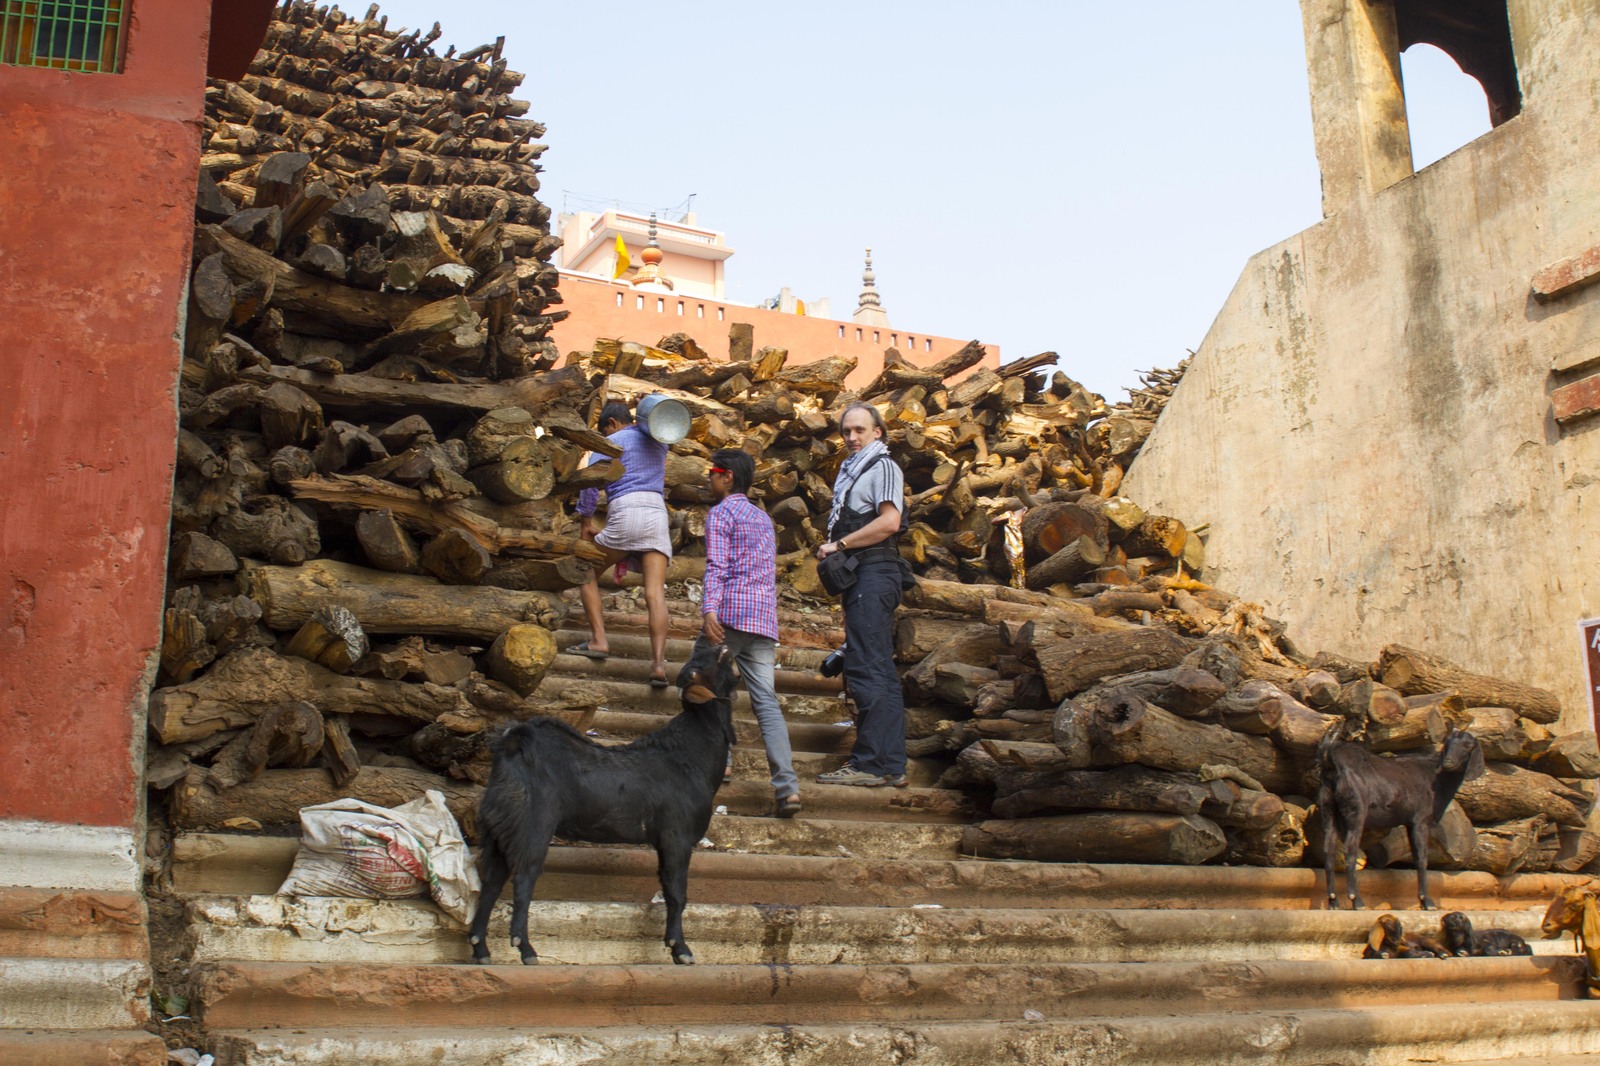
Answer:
(1167, 722)
(367, 516)
(1005, 479)
(1128, 424)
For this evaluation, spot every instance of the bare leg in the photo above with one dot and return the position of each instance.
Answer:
(593, 609)
(655, 605)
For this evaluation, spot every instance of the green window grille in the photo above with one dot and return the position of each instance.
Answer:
(62, 34)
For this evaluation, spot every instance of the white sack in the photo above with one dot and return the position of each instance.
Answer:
(351, 848)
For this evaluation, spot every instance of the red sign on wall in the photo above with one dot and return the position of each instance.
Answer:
(1591, 661)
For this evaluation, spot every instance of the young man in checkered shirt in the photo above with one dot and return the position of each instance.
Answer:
(740, 607)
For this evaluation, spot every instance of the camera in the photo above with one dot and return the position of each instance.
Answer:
(833, 664)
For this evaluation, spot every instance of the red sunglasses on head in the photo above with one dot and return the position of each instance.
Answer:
(721, 470)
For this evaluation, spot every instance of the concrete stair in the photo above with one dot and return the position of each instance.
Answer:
(858, 933)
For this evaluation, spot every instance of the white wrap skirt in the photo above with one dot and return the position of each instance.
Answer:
(637, 523)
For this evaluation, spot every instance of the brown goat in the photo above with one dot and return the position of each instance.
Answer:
(1575, 909)
(1388, 940)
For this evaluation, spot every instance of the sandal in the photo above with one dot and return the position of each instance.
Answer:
(582, 648)
(658, 682)
(789, 806)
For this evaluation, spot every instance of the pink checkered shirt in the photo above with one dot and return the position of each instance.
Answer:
(741, 567)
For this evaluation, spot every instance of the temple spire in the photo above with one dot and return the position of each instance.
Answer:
(870, 310)
(649, 275)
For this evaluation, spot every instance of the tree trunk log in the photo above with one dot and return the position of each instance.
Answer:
(1067, 565)
(1131, 730)
(245, 684)
(1416, 673)
(917, 634)
(1183, 690)
(1280, 844)
(1125, 788)
(394, 603)
(1425, 723)
(331, 638)
(520, 656)
(1570, 755)
(1070, 666)
(274, 799)
(386, 543)
(290, 734)
(1505, 735)
(1506, 793)
(1255, 707)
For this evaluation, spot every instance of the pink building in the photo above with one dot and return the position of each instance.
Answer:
(674, 281)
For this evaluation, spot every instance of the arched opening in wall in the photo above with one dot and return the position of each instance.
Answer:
(1476, 35)
(1445, 108)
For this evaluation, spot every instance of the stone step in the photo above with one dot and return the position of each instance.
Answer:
(56, 993)
(831, 738)
(1371, 1033)
(819, 628)
(249, 864)
(630, 656)
(897, 841)
(81, 1047)
(236, 995)
(637, 697)
(751, 794)
(637, 671)
(325, 929)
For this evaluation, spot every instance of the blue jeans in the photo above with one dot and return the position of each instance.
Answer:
(755, 656)
(869, 607)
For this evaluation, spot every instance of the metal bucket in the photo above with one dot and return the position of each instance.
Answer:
(666, 420)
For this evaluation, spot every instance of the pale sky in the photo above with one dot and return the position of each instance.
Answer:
(1085, 178)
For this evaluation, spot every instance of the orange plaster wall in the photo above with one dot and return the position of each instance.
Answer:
(595, 314)
(97, 192)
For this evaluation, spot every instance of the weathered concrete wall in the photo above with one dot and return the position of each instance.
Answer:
(1367, 426)
(97, 190)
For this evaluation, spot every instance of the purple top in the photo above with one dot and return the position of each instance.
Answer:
(644, 469)
(741, 567)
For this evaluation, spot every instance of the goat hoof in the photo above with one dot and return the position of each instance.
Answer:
(530, 959)
(686, 959)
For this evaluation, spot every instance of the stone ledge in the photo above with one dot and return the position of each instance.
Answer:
(43, 922)
(1578, 400)
(82, 1047)
(1567, 276)
(74, 993)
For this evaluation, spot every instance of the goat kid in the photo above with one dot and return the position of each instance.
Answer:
(1462, 939)
(1360, 790)
(1388, 940)
(549, 780)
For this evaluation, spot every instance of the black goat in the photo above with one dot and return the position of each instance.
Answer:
(549, 780)
(1462, 939)
(1359, 791)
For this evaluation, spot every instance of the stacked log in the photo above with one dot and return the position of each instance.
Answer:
(1128, 424)
(1125, 735)
(369, 537)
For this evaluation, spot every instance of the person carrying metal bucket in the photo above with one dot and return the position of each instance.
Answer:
(636, 520)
